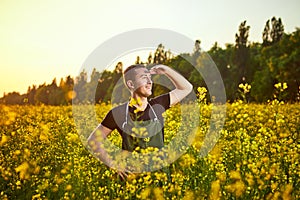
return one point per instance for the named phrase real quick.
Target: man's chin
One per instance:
(149, 94)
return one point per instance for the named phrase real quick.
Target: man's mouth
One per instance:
(148, 87)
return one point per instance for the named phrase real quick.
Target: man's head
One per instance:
(137, 78)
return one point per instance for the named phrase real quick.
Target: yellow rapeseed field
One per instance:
(256, 157)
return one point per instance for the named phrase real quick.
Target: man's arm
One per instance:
(182, 86)
(95, 142)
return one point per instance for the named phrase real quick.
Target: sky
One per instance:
(43, 40)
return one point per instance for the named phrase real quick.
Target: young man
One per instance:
(140, 111)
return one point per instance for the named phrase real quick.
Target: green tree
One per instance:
(196, 51)
(223, 60)
(242, 51)
(92, 86)
(116, 85)
(13, 98)
(262, 86)
(55, 94)
(42, 94)
(160, 55)
(30, 94)
(67, 87)
(103, 85)
(150, 58)
(273, 34)
(49, 94)
(80, 87)
(283, 61)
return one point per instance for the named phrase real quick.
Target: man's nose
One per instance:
(149, 80)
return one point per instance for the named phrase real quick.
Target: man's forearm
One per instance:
(96, 144)
(182, 86)
(178, 80)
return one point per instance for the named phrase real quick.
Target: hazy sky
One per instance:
(41, 40)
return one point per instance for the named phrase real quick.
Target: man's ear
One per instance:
(130, 84)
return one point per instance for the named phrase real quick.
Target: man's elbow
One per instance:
(90, 142)
(189, 88)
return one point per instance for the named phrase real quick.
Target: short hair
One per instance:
(129, 73)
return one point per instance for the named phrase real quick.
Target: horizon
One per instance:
(51, 40)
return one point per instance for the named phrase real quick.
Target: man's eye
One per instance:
(146, 77)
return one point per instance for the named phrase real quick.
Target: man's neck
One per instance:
(139, 102)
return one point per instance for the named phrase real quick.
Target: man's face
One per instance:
(143, 82)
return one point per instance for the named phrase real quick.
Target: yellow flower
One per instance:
(245, 87)
(274, 186)
(72, 137)
(4, 139)
(23, 169)
(187, 160)
(239, 188)
(201, 94)
(135, 102)
(287, 192)
(63, 171)
(278, 85)
(158, 193)
(68, 187)
(221, 176)
(145, 193)
(215, 192)
(236, 188)
(235, 175)
(37, 196)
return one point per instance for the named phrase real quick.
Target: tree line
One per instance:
(261, 65)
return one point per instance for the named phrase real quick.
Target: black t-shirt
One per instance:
(117, 116)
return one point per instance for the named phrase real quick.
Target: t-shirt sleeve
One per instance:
(163, 100)
(109, 121)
